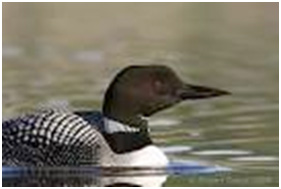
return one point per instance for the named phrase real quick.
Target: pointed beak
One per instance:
(199, 92)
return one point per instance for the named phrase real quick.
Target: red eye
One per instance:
(160, 87)
(158, 84)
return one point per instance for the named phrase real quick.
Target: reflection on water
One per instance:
(70, 52)
(102, 176)
(82, 176)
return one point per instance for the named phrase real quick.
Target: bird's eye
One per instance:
(160, 87)
(158, 84)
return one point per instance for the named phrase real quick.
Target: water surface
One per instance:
(69, 52)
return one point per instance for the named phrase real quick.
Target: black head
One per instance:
(144, 90)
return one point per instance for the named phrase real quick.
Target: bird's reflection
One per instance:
(86, 176)
(104, 176)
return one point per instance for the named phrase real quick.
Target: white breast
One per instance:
(149, 156)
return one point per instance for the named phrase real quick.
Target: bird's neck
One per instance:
(123, 138)
(124, 112)
(127, 130)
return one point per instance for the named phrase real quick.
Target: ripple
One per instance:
(185, 167)
(221, 152)
(255, 158)
(164, 122)
(240, 141)
(243, 126)
(243, 119)
(176, 149)
(239, 110)
(93, 56)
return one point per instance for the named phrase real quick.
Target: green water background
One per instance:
(70, 51)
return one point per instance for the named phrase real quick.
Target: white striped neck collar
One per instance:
(123, 138)
(112, 126)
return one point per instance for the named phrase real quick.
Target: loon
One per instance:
(117, 136)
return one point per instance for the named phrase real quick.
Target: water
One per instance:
(103, 176)
(69, 53)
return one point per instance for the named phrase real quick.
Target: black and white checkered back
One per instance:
(48, 138)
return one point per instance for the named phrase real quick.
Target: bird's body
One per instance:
(55, 138)
(116, 136)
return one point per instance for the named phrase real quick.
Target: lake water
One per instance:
(67, 53)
